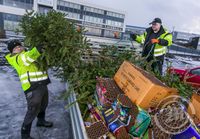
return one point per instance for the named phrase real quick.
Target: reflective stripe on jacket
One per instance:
(159, 49)
(24, 64)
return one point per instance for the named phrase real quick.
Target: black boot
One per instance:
(25, 131)
(24, 136)
(44, 123)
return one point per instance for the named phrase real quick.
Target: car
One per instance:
(190, 76)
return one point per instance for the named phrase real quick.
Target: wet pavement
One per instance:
(13, 109)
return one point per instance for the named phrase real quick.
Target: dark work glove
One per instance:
(133, 36)
(40, 48)
(163, 42)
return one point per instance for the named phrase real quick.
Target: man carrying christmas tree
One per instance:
(34, 83)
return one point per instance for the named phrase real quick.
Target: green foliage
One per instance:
(83, 80)
(59, 37)
(173, 80)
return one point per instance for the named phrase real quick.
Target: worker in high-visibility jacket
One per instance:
(155, 41)
(34, 84)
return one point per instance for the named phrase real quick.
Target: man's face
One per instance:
(156, 26)
(18, 49)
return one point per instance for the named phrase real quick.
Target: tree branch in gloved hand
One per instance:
(133, 36)
(40, 48)
(154, 41)
(163, 42)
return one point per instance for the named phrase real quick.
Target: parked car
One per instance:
(190, 76)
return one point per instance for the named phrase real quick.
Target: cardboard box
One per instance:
(141, 87)
(194, 107)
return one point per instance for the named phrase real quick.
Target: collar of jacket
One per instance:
(160, 32)
(149, 31)
(13, 54)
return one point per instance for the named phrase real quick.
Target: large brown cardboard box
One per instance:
(141, 87)
(194, 107)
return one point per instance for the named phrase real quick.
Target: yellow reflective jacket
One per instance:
(28, 72)
(160, 49)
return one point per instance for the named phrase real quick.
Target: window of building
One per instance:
(109, 33)
(11, 25)
(115, 14)
(62, 3)
(93, 10)
(93, 31)
(114, 23)
(92, 19)
(72, 15)
(11, 17)
(122, 15)
(25, 4)
(44, 9)
(76, 6)
(69, 4)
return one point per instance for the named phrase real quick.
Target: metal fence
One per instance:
(175, 49)
(3, 52)
(79, 131)
(3, 61)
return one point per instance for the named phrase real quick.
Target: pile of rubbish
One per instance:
(134, 104)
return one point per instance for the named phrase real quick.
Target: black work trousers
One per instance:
(157, 66)
(37, 101)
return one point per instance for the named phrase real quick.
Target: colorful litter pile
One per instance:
(122, 118)
(119, 115)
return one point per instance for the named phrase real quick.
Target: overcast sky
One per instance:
(183, 15)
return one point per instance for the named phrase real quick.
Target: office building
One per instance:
(98, 21)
